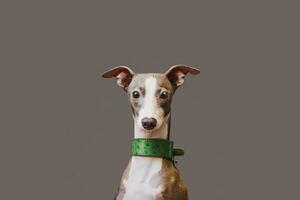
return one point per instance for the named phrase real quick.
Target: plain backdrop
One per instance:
(65, 132)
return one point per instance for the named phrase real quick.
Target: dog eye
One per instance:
(135, 94)
(164, 95)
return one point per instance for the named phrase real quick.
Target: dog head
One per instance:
(150, 94)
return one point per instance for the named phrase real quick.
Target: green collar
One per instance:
(154, 148)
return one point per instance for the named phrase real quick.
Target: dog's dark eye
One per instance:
(164, 95)
(135, 94)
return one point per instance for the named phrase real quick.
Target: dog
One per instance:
(151, 173)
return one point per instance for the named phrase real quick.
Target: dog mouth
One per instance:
(149, 129)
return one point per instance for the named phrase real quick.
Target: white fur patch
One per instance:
(139, 184)
(150, 107)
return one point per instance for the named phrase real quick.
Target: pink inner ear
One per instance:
(180, 77)
(120, 79)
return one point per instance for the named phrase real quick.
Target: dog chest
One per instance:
(144, 181)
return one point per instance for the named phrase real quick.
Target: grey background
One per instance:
(65, 132)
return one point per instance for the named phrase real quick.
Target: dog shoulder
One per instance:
(122, 187)
(173, 185)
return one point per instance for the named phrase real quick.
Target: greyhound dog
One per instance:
(151, 173)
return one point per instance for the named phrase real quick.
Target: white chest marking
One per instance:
(143, 182)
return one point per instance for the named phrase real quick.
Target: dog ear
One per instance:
(122, 73)
(177, 73)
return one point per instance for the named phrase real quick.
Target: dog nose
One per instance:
(149, 123)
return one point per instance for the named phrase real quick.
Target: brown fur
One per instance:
(174, 186)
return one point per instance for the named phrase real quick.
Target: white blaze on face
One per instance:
(149, 107)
